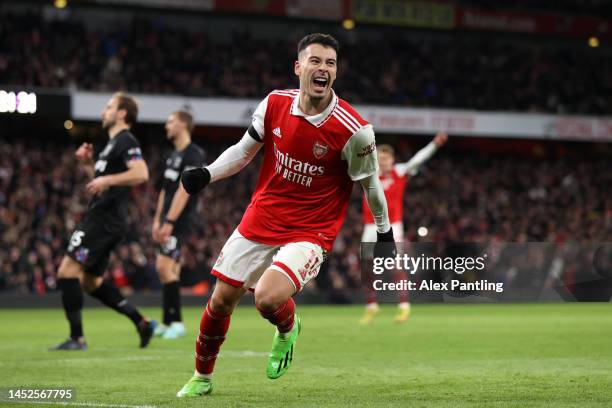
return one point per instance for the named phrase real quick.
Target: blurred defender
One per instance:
(173, 220)
(394, 178)
(315, 146)
(118, 167)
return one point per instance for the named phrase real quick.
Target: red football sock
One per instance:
(370, 295)
(403, 294)
(368, 285)
(213, 327)
(282, 317)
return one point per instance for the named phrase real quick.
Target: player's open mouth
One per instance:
(319, 83)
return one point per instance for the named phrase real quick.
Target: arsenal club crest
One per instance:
(319, 150)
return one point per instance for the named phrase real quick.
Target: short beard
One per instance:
(107, 125)
(317, 98)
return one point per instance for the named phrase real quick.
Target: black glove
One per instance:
(194, 180)
(385, 245)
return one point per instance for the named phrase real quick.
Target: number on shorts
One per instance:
(170, 244)
(77, 238)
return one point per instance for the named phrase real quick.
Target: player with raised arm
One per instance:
(173, 218)
(117, 167)
(394, 178)
(315, 146)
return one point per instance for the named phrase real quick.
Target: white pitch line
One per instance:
(82, 404)
(228, 354)
(231, 354)
(98, 359)
(245, 353)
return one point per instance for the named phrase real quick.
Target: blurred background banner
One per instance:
(320, 9)
(425, 14)
(436, 14)
(200, 5)
(237, 112)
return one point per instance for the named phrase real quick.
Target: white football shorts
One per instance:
(242, 261)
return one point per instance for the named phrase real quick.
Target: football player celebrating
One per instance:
(315, 146)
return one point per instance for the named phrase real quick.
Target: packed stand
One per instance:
(478, 198)
(450, 70)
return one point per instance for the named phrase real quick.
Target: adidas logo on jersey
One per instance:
(277, 132)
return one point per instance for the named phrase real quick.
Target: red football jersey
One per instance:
(310, 163)
(394, 185)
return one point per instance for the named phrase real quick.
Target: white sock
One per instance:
(283, 335)
(372, 306)
(404, 306)
(207, 376)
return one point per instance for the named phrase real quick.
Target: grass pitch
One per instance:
(556, 355)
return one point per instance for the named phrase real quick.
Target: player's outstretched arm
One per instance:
(230, 162)
(412, 166)
(157, 216)
(362, 166)
(375, 196)
(137, 173)
(84, 154)
(179, 201)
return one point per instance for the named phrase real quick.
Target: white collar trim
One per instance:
(319, 119)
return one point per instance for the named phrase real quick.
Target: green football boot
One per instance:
(195, 387)
(281, 356)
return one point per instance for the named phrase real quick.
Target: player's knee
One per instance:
(90, 283)
(222, 304)
(268, 301)
(166, 274)
(64, 273)
(88, 287)
(69, 269)
(167, 269)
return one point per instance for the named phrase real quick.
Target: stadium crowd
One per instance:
(402, 68)
(477, 198)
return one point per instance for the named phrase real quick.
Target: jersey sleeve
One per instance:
(130, 150)
(360, 154)
(413, 165)
(165, 181)
(257, 129)
(194, 158)
(403, 170)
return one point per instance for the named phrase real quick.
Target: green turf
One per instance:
(555, 355)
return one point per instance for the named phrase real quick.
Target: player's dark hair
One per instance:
(129, 105)
(185, 117)
(325, 40)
